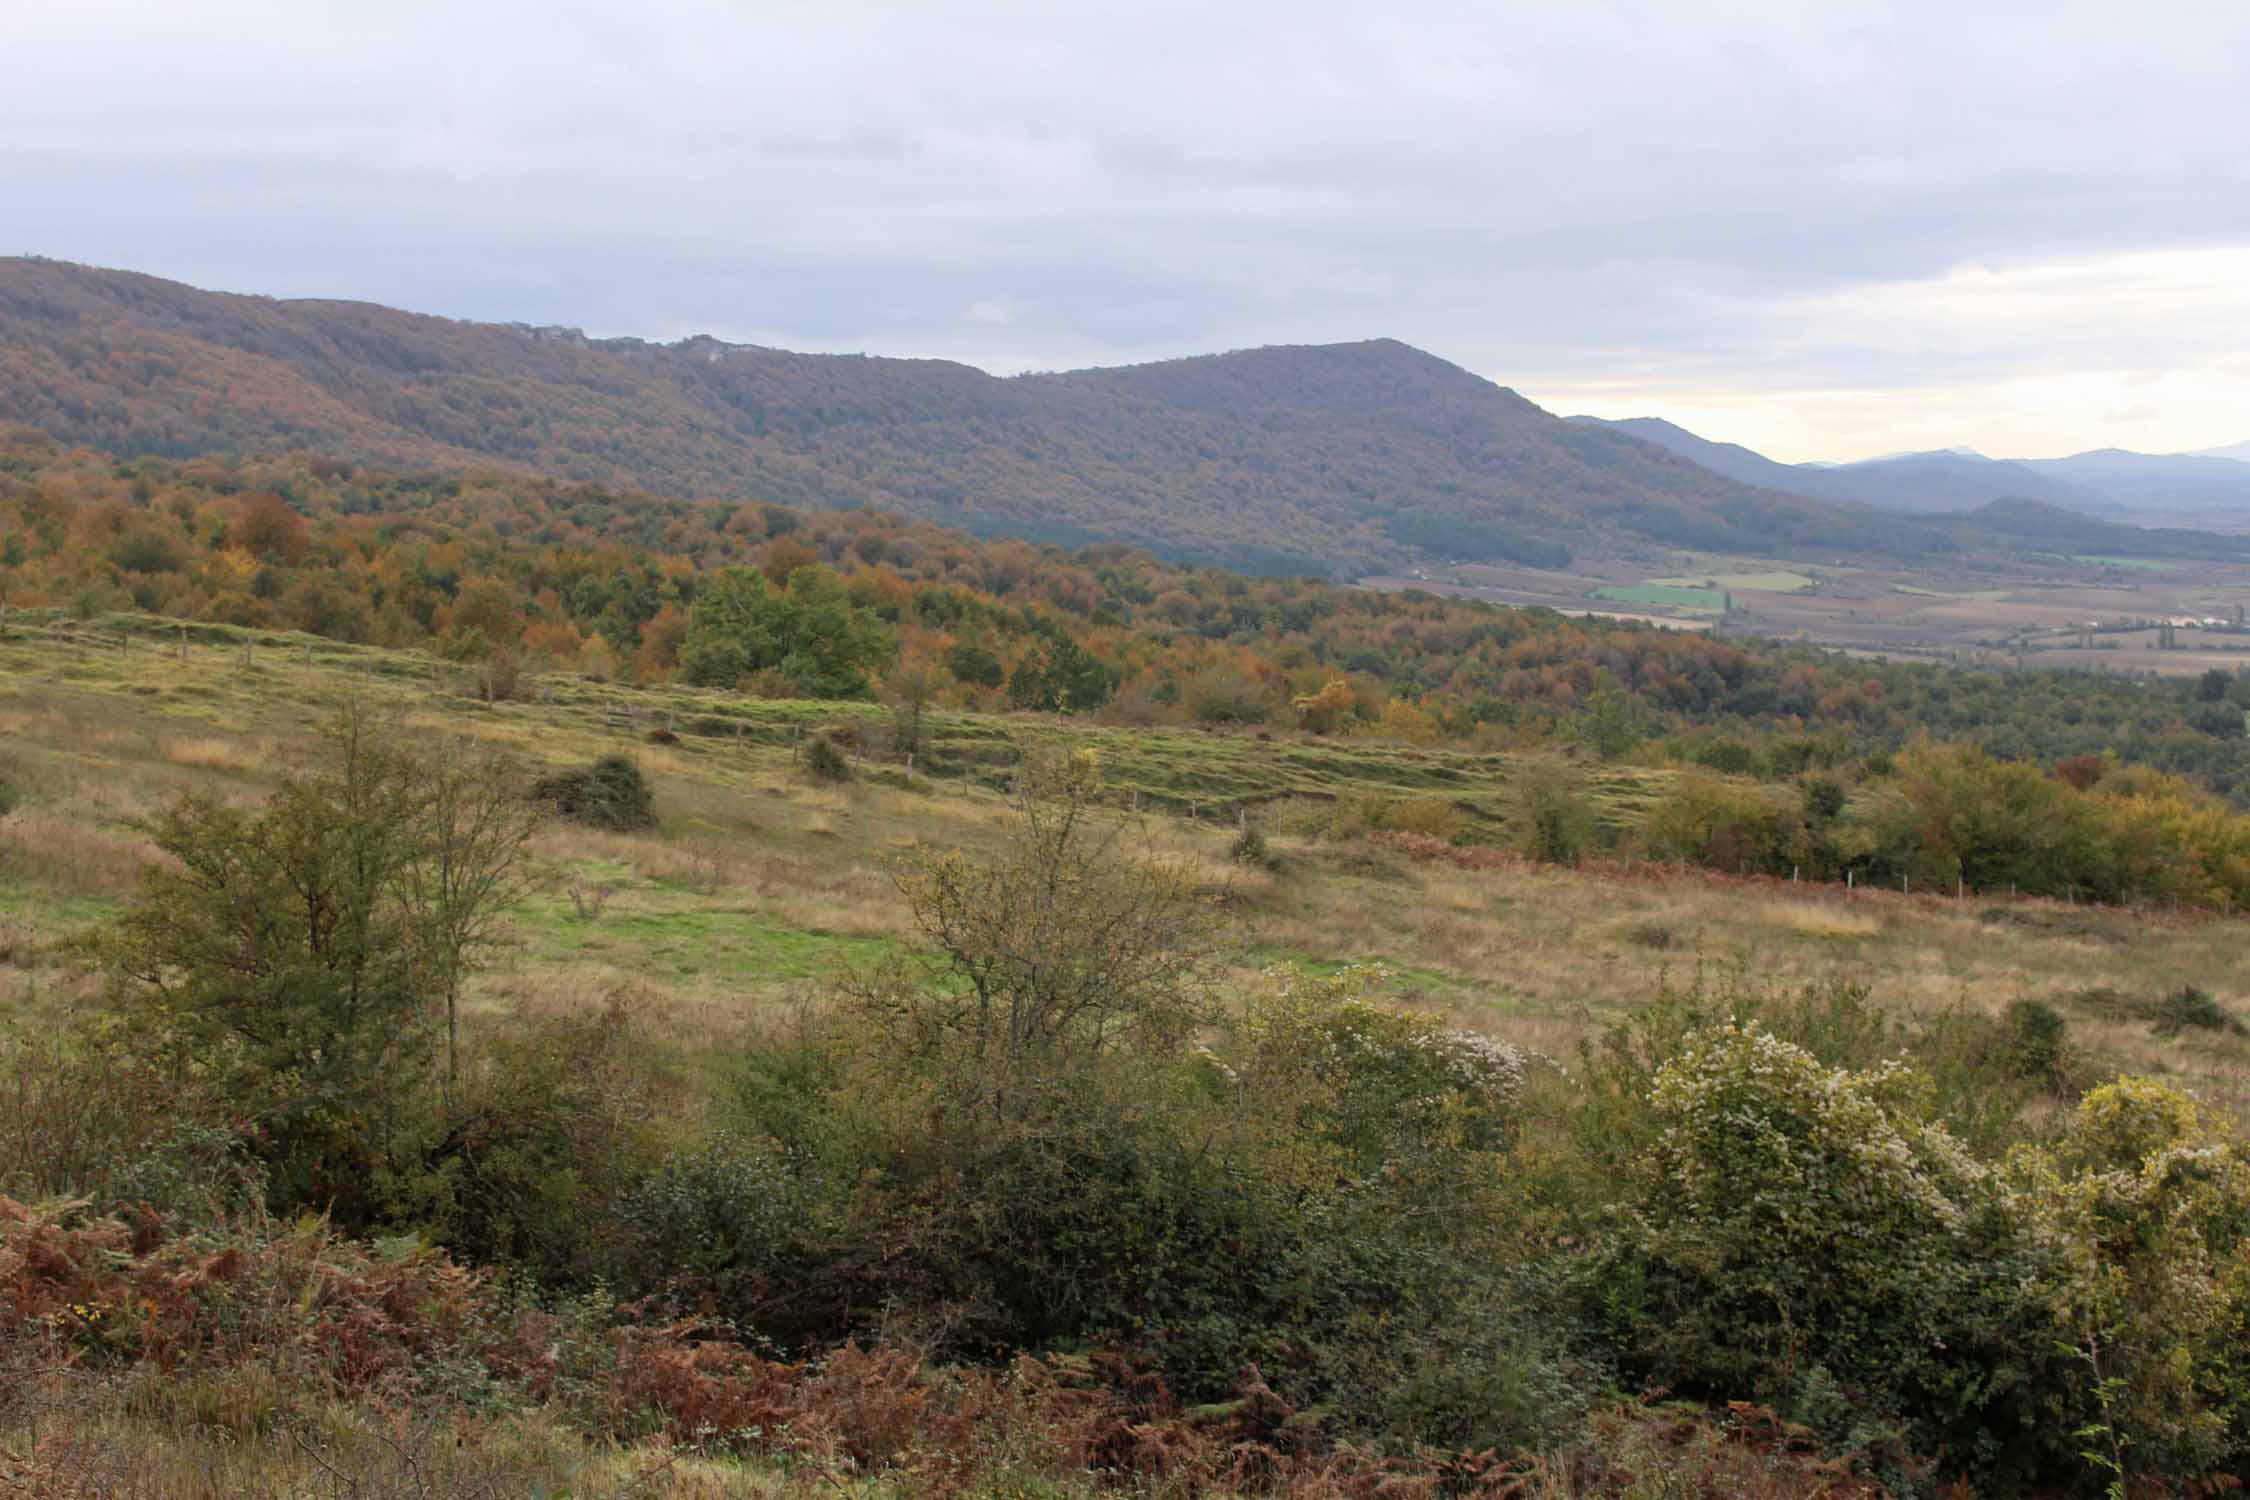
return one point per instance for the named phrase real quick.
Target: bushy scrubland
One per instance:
(1934, 817)
(1041, 1205)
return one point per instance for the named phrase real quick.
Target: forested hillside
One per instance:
(1302, 459)
(609, 582)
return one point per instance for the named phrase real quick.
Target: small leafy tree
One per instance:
(305, 957)
(1613, 722)
(1070, 943)
(471, 831)
(909, 691)
(1549, 816)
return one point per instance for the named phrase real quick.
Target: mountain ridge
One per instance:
(1337, 459)
(1938, 481)
(2111, 482)
(1330, 457)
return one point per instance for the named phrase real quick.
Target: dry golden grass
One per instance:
(1820, 919)
(68, 857)
(211, 753)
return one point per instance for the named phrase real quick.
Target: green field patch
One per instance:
(1402, 981)
(2132, 564)
(1666, 596)
(732, 946)
(1981, 596)
(1774, 581)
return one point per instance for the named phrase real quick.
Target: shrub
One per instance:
(1250, 848)
(2038, 1041)
(1430, 817)
(732, 1225)
(1549, 817)
(1378, 1083)
(1021, 1145)
(610, 794)
(1795, 1234)
(1823, 798)
(1731, 825)
(2189, 1006)
(825, 762)
(547, 1131)
(2167, 1014)
(499, 678)
(1659, 936)
(97, 1124)
(2153, 1303)
(1965, 1075)
(808, 630)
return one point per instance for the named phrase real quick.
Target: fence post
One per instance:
(1851, 878)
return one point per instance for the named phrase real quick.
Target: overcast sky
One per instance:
(1825, 230)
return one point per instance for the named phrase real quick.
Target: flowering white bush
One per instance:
(1798, 1236)
(1379, 1079)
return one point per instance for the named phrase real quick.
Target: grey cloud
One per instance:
(1547, 193)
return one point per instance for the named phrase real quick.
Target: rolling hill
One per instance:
(2154, 481)
(1327, 458)
(1924, 483)
(2106, 482)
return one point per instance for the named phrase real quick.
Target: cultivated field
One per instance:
(2094, 613)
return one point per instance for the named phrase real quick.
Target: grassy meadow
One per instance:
(762, 881)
